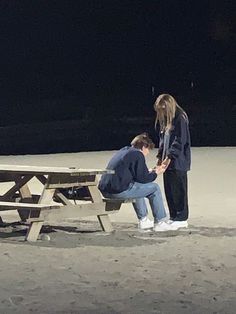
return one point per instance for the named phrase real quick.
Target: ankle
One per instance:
(157, 221)
(143, 218)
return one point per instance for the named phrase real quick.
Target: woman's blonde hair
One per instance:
(165, 107)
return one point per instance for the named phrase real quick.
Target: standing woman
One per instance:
(174, 151)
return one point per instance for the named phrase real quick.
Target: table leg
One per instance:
(27, 198)
(35, 226)
(33, 231)
(104, 220)
(105, 223)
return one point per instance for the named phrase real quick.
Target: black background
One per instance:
(83, 75)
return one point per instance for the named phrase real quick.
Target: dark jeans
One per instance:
(176, 191)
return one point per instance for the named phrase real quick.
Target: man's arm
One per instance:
(141, 173)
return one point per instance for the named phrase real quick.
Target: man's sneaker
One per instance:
(145, 224)
(180, 224)
(163, 226)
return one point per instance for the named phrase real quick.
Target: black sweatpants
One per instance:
(176, 191)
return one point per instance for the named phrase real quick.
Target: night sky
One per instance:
(104, 62)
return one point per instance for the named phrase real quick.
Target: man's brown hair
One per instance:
(142, 140)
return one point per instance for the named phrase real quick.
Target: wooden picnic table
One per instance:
(35, 209)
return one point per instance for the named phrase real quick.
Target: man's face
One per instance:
(145, 151)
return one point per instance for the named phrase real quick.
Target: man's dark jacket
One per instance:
(129, 166)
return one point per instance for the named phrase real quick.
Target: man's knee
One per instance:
(154, 188)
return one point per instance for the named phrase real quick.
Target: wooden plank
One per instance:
(84, 172)
(110, 206)
(73, 211)
(33, 231)
(63, 199)
(64, 185)
(66, 181)
(51, 170)
(119, 200)
(95, 193)
(28, 206)
(22, 187)
(115, 204)
(26, 196)
(47, 196)
(19, 183)
(7, 177)
(35, 227)
(103, 219)
(30, 220)
(105, 223)
(42, 179)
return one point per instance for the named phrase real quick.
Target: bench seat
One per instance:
(18, 206)
(115, 203)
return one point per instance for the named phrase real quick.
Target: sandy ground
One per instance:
(83, 270)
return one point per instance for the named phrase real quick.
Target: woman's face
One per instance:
(162, 108)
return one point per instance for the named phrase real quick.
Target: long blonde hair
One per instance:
(165, 107)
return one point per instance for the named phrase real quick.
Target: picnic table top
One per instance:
(42, 170)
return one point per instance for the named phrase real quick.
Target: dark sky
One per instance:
(59, 59)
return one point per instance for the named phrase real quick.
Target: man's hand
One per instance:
(160, 169)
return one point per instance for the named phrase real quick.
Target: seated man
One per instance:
(132, 179)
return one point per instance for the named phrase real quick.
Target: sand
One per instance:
(83, 270)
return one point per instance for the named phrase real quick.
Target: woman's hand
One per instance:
(166, 162)
(159, 161)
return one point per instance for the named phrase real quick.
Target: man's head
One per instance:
(143, 143)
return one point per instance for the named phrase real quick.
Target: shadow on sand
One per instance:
(89, 233)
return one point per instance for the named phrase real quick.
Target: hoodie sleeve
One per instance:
(140, 171)
(161, 145)
(180, 136)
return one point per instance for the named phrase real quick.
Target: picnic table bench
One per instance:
(36, 209)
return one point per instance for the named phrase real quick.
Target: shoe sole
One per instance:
(164, 230)
(181, 227)
(145, 230)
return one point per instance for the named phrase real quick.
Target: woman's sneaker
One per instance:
(180, 224)
(163, 226)
(145, 223)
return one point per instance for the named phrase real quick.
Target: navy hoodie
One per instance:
(179, 143)
(129, 166)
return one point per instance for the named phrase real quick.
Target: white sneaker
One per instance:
(145, 223)
(163, 226)
(180, 224)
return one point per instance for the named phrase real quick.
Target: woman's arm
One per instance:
(160, 149)
(180, 136)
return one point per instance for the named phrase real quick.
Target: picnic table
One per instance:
(36, 208)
